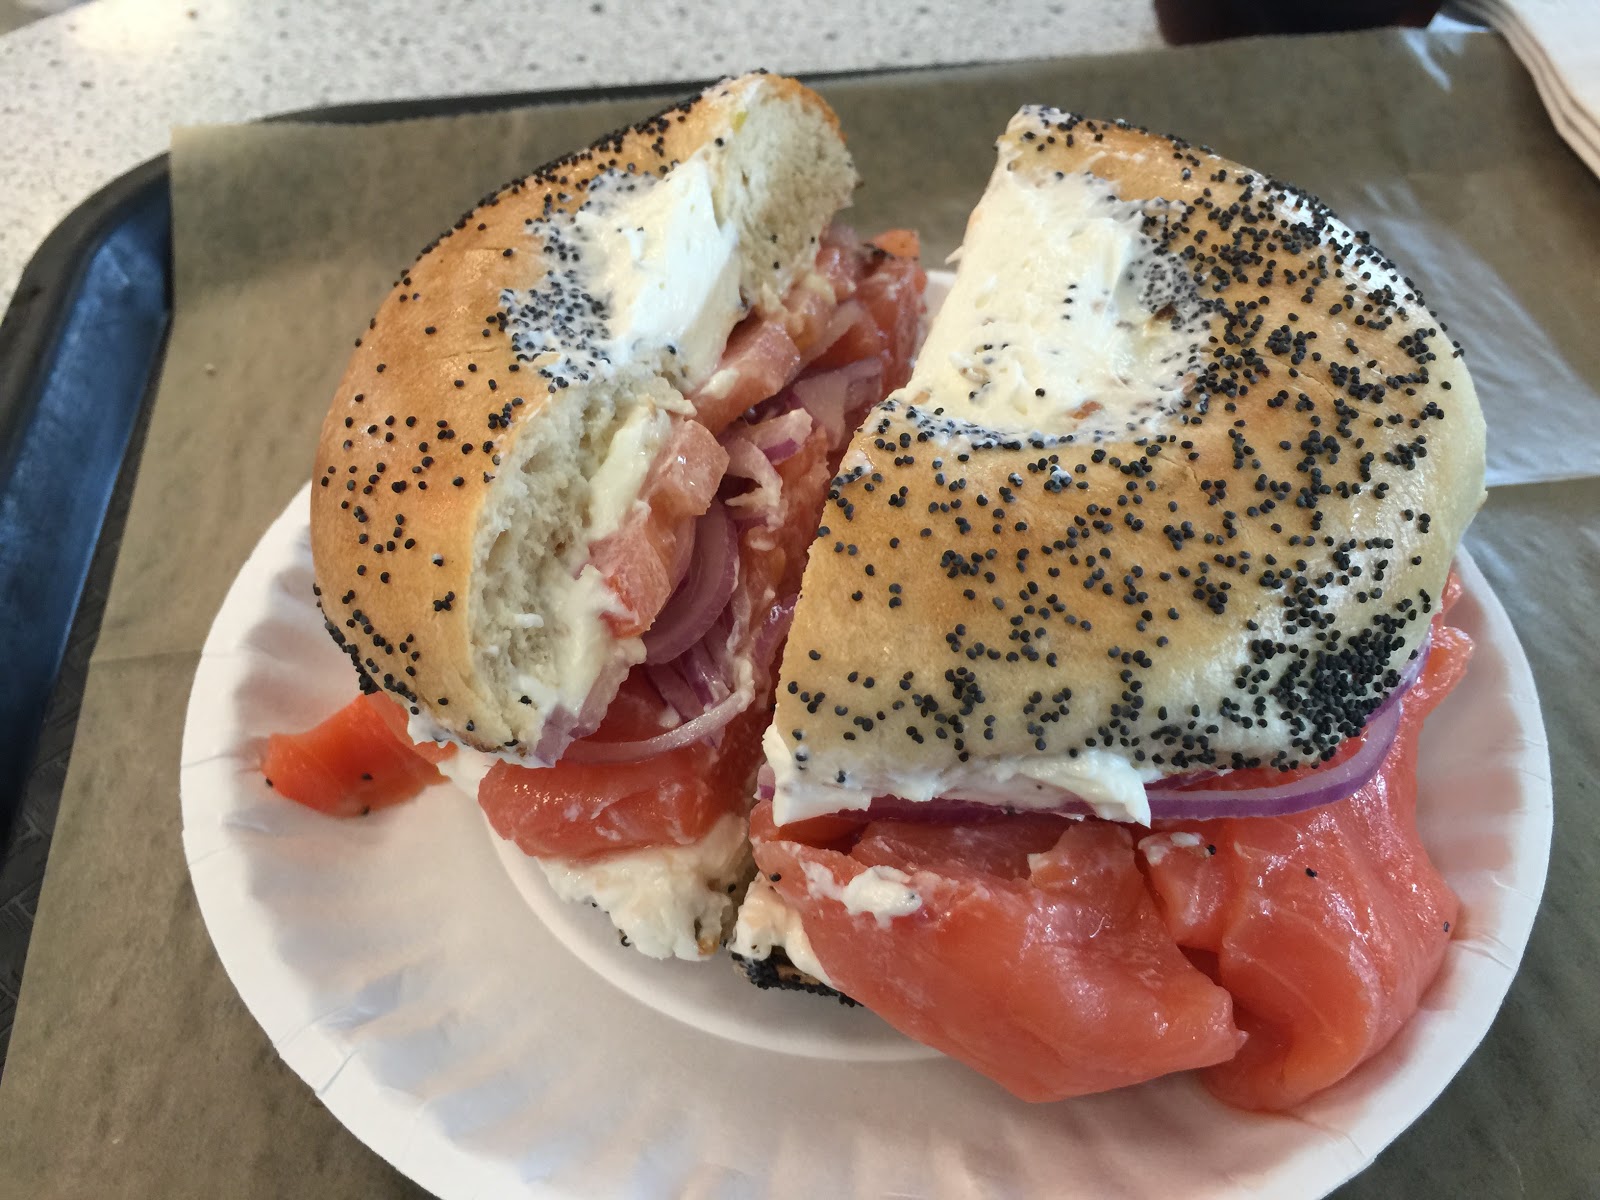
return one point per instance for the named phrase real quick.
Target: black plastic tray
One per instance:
(81, 348)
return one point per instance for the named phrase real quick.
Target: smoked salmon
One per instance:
(1034, 953)
(582, 810)
(1326, 926)
(355, 761)
(1063, 957)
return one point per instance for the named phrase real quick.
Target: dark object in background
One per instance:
(1185, 21)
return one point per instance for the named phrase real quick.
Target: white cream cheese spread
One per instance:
(882, 892)
(1107, 782)
(668, 901)
(664, 266)
(1087, 331)
(766, 924)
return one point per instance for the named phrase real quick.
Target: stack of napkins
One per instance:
(1559, 42)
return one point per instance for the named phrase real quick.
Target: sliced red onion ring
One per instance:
(704, 592)
(1170, 801)
(704, 677)
(563, 726)
(675, 690)
(833, 397)
(781, 436)
(766, 782)
(774, 628)
(712, 721)
(555, 737)
(1325, 785)
(1175, 798)
(1408, 676)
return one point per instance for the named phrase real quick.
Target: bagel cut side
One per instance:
(516, 385)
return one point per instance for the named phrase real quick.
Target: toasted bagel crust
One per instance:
(435, 396)
(1237, 584)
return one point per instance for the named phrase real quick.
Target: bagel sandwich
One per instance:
(1117, 633)
(563, 492)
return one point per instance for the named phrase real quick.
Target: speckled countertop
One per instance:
(94, 91)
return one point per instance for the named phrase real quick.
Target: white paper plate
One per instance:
(488, 1046)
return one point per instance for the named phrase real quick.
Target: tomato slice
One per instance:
(353, 762)
(862, 339)
(890, 293)
(840, 261)
(637, 560)
(760, 359)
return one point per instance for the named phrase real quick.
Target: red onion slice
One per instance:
(1325, 785)
(703, 675)
(1407, 677)
(555, 737)
(704, 592)
(1176, 798)
(675, 690)
(774, 629)
(563, 726)
(1182, 801)
(712, 721)
(833, 397)
(780, 437)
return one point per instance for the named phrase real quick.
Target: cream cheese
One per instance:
(466, 767)
(1112, 785)
(668, 901)
(1158, 845)
(641, 280)
(666, 268)
(1082, 329)
(882, 892)
(766, 924)
(614, 488)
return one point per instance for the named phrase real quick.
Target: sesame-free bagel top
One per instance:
(486, 344)
(1176, 484)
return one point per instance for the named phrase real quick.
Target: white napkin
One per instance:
(1558, 42)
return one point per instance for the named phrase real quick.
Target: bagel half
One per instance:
(514, 389)
(1175, 485)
